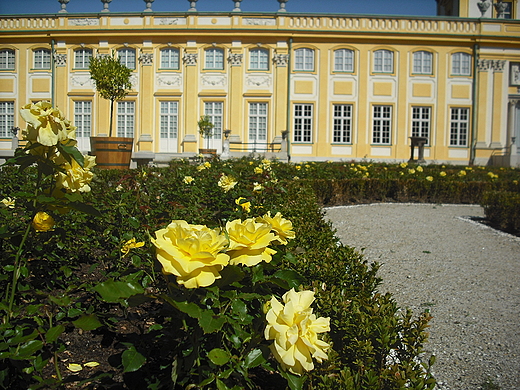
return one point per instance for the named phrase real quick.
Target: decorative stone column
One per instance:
(499, 111)
(193, 3)
(148, 5)
(483, 6)
(282, 5)
(105, 5)
(63, 6)
(237, 6)
(483, 128)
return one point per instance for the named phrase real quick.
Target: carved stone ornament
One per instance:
(483, 7)
(190, 58)
(81, 81)
(259, 22)
(281, 59)
(169, 81)
(146, 58)
(235, 59)
(498, 65)
(484, 65)
(60, 59)
(515, 75)
(214, 81)
(167, 21)
(83, 22)
(258, 81)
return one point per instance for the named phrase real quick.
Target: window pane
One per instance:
(42, 59)
(459, 126)
(381, 125)
(83, 118)
(127, 57)
(125, 119)
(82, 58)
(259, 59)
(421, 121)
(7, 59)
(215, 111)
(302, 127)
(170, 59)
(304, 59)
(342, 131)
(214, 58)
(169, 119)
(344, 60)
(6, 119)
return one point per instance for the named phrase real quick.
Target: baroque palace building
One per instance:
(323, 86)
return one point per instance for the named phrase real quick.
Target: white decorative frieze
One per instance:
(134, 81)
(259, 22)
(146, 58)
(235, 59)
(281, 59)
(259, 81)
(214, 80)
(169, 80)
(190, 58)
(84, 22)
(169, 21)
(514, 78)
(81, 81)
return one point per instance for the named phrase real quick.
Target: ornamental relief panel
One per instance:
(214, 80)
(169, 81)
(81, 81)
(258, 81)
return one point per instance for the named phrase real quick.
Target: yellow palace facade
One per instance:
(307, 86)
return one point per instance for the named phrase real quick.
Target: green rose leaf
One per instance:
(210, 322)
(289, 278)
(112, 291)
(28, 349)
(87, 322)
(219, 356)
(132, 359)
(254, 358)
(295, 382)
(53, 333)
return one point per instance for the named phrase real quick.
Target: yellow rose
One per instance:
(191, 252)
(75, 177)
(8, 202)
(248, 242)
(227, 182)
(131, 244)
(246, 206)
(295, 330)
(188, 179)
(257, 187)
(42, 222)
(259, 170)
(442, 173)
(419, 169)
(429, 178)
(45, 124)
(403, 165)
(281, 226)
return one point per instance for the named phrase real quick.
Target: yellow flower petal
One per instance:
(91, 364)
(74, 367)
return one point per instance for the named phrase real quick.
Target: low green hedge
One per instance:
(502, 209)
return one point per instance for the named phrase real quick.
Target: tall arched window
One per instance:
(384, 61)
(461, 64)
(82, 58)
(259, 59)
(214, 58)
(344, 60)
(304, 59)
(422, 62)
(170, 58)
(42, 59)
(7, 59)
(127, 57)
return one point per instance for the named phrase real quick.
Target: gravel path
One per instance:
(468, 275)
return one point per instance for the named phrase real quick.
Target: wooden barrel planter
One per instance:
(112, 152)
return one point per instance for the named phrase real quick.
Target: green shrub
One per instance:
(502, 209)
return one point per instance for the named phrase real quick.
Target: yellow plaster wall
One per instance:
(343, 88)
(460, 91)
(383, 89)
(41, 85)
(421, 90)
(303, 87)
(7, 85)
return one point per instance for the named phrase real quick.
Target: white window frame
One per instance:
(342, 127)
(344, 60)
(459, 126)
(127, 56)
(126, 119)
(214, 58)
(257, 129)
(42, 59)
(170, 58)
(461, 64)
(421, 121)
(169, 126)
(259, 59)
(215, 111)
(7, 59)
(383, 61)
(382, 124)
(304, 59)
(6, 118)
(83, 123)
(422, 62)
(303, 122)
(82, 58)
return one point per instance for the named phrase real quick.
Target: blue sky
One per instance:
(380, 7)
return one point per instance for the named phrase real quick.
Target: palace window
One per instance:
(214, 59)
(342, 132)
(7, 59)
(82, 58)
(304, 59)
(42, 59)
(259, 59)
(6, 119)
(422, 62)
(302, 128)
(383, 61)
(459, 126)
(125, 119)
(258, 122)
(381, 125)
(421, 119)
(461, 64)
(169, 119)
(127, 57)
(83, 118)
(215, 111)
(344, 60)
(170, 58)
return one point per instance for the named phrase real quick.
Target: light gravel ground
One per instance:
(468, 275)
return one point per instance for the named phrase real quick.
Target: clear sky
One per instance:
(379, 7)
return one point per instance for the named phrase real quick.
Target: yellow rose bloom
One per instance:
(8, 202)
(76, 178)
(442, 173)
(411, 171)
(131, 244)
(45, 124)
(188, 179)
(248, 242)
(191, 252)
(462, 173)
(419, 169)
(403, 165)
(246, 206)
(295, 330)
(42, 222)
(257, 187)
(281, 226)
(259, 170)
(429, 178)
(227, 182)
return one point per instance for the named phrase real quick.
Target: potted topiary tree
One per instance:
(112, 81)
(206, 131)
